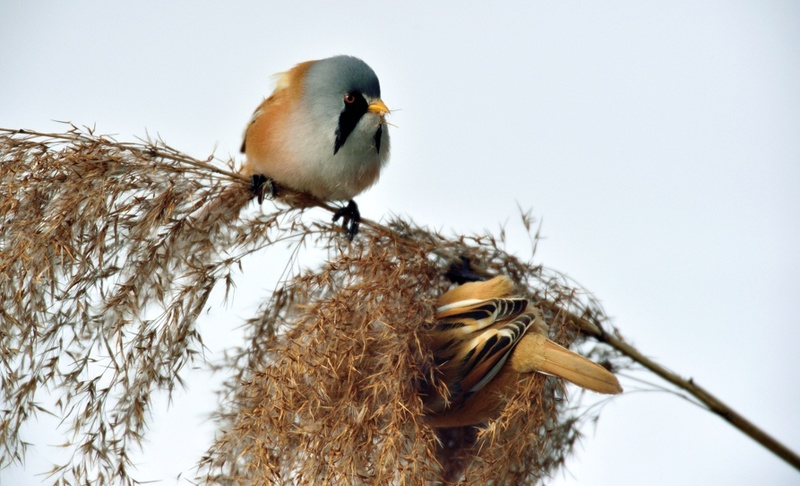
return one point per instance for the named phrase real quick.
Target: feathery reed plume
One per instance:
(333, 394)
(104, 268)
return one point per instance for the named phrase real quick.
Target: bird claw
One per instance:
(351, 218)
(262, 186)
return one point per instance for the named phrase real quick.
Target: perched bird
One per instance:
(321, 132)
(483, 341)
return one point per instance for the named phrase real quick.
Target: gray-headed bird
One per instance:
(321, 132)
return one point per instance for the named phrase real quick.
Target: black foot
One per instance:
(350, 218)
(262, 186)
(462, 272)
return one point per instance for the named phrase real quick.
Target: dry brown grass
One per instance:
(328, 392)
(109, 253)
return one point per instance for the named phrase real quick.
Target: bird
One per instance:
(323, 132)
(485, 339)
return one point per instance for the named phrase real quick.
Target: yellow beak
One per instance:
(378, 107)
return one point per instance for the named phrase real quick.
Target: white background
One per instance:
(658, 141)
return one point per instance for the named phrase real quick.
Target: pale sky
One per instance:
(659, 142)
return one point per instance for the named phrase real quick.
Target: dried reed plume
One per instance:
(109, 252)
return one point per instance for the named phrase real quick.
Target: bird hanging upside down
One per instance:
(321, 132)
(483, 341)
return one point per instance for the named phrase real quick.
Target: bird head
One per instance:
(343, 95)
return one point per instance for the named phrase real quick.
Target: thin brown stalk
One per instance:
(705, 397)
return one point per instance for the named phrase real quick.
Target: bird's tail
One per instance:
(537, 353)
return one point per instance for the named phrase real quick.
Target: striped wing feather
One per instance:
(476, 339)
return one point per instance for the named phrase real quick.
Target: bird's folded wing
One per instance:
(465, 317)
(487, 352)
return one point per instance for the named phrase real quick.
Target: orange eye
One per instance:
(349, 99)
